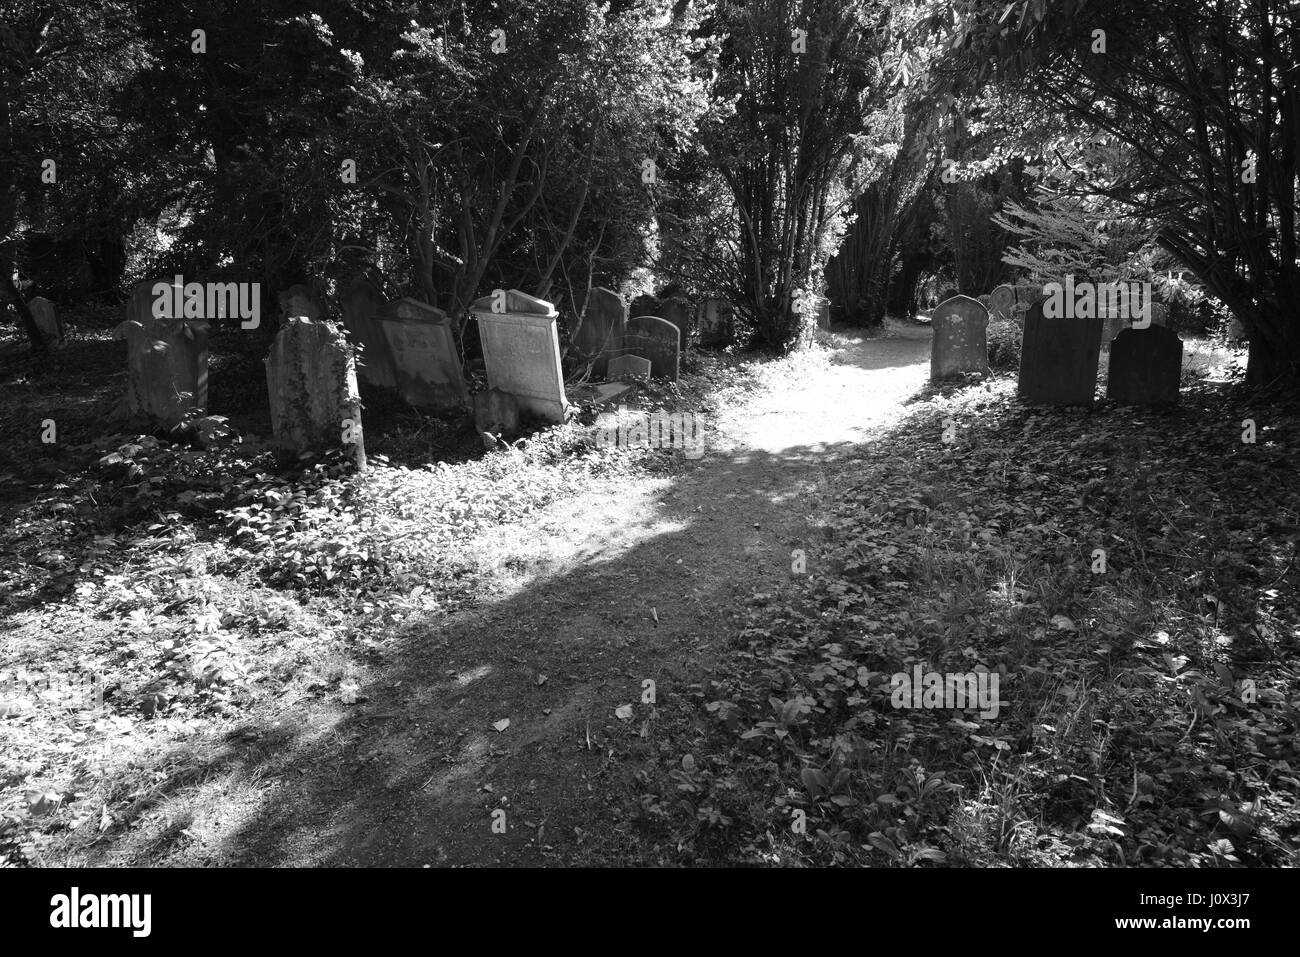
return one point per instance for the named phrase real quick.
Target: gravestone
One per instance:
(301, 300)
(362, 304)
(1002, 301)
(657, 340)
(1112, 327)
(644, 305)
(167, 360)
(496, 412)
(604, 322)
(715, 323)
(1145, 367)
(425, 359)
(312, 380)
(678, 311)
(629, 367)
(42, 311)
(960, 342)
(823, 312)
(1058, 359)
(521, 350)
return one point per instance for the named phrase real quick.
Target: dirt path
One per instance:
(597, 593)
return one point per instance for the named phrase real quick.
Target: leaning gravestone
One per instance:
(301, 300)
(521, 351)
(362, 304)
(167, 359)
(960, 342)
(604, 322)
(1145, 367)
(1058, 359)
(424, 355)
(42, 311)
(312, 380)
(629, 367)
(657, 340)
(1002, 301)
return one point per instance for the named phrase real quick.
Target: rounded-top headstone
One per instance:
(960, 342)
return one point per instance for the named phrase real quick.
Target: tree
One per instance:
(786, 138)
(1206, 95)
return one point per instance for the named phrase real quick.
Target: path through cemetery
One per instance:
(599, 592)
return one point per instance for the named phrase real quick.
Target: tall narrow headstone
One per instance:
(42, 311)
(362, 304)
(604, 322)
(167, 359)
(960, 342)
(312, 381)
(1146, 366)
(521, 350)
(424, 355)
(657, 340)
(1058, 359)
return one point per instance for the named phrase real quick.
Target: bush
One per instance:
(1004, 337)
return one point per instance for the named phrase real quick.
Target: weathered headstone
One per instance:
(361, 305)
(629, 367)
(715, 323)
(823, 312)
(496, 412)
(657, 340)
(1145, 367)
(1002, 301)
(960, 342)
(167, 360)
(1058, 359)
(301, 300)
(42, 311)
(678, 311)
(312, 380)
(424, 353)
(521, 350)
(604, 322)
